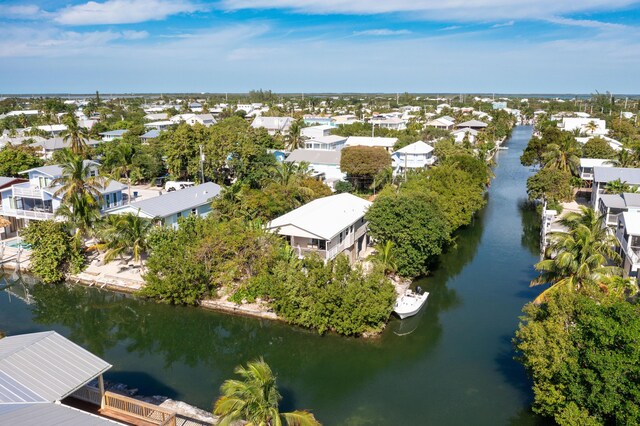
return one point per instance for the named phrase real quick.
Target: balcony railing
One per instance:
(27, 191)
(88, 394)
(34, 214)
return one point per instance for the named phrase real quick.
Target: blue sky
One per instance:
(502, 46)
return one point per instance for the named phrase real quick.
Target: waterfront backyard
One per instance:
(453, 365)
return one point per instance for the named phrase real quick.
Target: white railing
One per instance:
(586, 176)
(32, 214)
(27, 191)
(88, 394)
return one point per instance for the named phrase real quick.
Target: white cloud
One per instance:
(381, 32)
(504, 24)
(122, 11)
(134, 35)
(29, 11)
(437, 10)
(586, 23)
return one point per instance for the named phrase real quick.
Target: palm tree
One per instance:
(625, 159)
(617, 187)
(289, 173)
(563, 155)
(125, 234)
(76, 178)
(125, 153)
(255, 399)
(294, 138)
(74, 134)
(81, 213)
(385, 256)
(591, 127)
(578, 260)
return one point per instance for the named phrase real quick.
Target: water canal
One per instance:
(452, 365)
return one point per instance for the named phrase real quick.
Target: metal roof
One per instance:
(9, 180)
(49, 414)
(472, 123)
(314, 156)
(45, 365)
(175, 201)
(418, 147)
(608, 174)
(55, 170)
(323, 217)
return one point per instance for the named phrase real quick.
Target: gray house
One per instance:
(604, 175)
(169, 207)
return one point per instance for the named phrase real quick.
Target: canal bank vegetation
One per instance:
(578, 339)
(212, 258)
(420, 216)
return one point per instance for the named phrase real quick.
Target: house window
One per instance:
(12, 202)
(341, 237)
(318, 244)
(179, 214)
(194, 211)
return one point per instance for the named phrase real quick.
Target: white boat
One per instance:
(410, 303)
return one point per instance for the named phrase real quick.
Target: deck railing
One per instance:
(88, 394)
(138, 409)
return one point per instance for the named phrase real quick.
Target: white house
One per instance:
(582, 124)
(386, 143)
(467, 132)
(393, 123)
(628, 235)
(330, 143)
(614, 144)
(316, 131)
(274, 125)
(323, 162)
(169, 207)
(53, 129)
(327, 226)
(346, 119)
(441, 123)
(472, 124)
(612, 205)
(159, 125)
(414, 156)
(113, 135)
(587, 165)
(47, 147)
(604, 175)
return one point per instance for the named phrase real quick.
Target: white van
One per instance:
(173, 185)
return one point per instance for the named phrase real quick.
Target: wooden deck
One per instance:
(135, 412)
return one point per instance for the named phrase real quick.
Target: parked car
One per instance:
(173, 185)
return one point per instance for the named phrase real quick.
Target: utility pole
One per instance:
(201, 165)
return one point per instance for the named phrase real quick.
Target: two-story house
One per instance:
(613, 205)
(36, 199)
(587, 165)
(604, 175)
(327, 226)
(628, 235)
(417, 155)
(327, 143)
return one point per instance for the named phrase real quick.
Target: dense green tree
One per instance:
(14, 160)
(81, 213)
(255, 399)
(550, 184)
(362, 163)
(598, 148)
(413, 222)
(582, 354)
(53, 251)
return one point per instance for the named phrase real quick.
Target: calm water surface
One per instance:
(451, 365)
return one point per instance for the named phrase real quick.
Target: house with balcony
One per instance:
(587, 164)
(613, 205)
(36, 199)
(327, 227)
(417, 155)
(326, 143)
(112, 135)
(628, 235)
(603, 175)
(168, 208)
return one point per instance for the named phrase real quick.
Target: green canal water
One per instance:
(451, 365)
